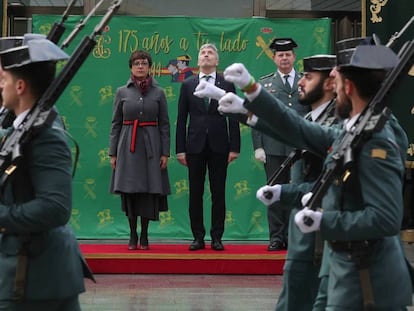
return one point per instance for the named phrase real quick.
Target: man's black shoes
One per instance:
(217, 245)
(196, 245)
(276, 246)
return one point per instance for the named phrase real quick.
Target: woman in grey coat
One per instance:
(140, 147)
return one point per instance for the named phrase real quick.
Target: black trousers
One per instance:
(216, 163)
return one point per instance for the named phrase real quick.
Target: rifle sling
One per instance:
(367, 295)
(360, 251)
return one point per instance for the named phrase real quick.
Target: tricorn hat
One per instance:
(367, 57)
(282, 44)
(322, 62)
(185, 57)
(354, 42)
(34, 50)
(10, 42)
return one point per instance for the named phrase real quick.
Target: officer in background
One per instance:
(362, 213)
(283, 84)
(41, 267)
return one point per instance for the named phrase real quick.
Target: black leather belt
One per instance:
(350, 246)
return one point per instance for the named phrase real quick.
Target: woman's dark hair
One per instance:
(140, 55)
(38, 75)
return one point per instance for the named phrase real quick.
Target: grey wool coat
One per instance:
(140, 134)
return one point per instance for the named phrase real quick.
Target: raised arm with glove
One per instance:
(206, 89)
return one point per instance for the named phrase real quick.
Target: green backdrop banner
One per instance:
(385, 18)
(86, 107)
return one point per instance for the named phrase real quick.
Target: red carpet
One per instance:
(177, 259)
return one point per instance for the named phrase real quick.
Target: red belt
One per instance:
(135, 124)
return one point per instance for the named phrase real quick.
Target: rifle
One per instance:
(398, 34)
(325, 118)
(54, 35)
(42, 113)
(80, 25)
(372, 119)
(59, 28)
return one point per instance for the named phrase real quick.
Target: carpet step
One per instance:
(177, 259)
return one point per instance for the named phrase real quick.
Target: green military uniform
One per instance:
(276, 151)
(300, 276)
(41, 267)
(300, 272)
(366, 209)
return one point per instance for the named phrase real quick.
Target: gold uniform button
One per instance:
(290, 104)
(290, 96)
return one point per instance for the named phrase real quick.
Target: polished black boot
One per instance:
(143, 241)
(133, 236)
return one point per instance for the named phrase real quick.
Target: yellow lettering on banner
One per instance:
(184, 45)
(200, 39)
(156, 43)
(129, 42)
(236, 45)
(156, 69)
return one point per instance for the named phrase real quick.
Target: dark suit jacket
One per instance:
(220, 132)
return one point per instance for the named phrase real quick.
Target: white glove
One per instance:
(238, 75)
(305, 199)
(206, 89)
(312, 219)
(260, 155)
(231, 103)
(269, 194)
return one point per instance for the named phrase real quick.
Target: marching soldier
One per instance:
(300, 273)
(41, 267)
(362, 214)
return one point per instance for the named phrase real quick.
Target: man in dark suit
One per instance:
(283, 84)
(211, 141)
(41, 267)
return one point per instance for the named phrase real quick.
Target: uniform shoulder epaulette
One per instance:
(266, 76)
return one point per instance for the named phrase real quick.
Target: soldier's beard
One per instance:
(343, 107)
(313, 96)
